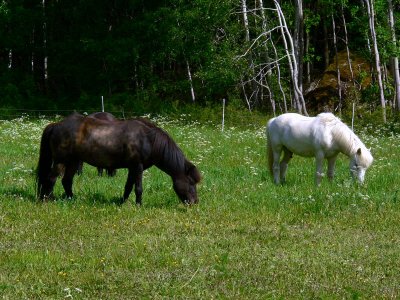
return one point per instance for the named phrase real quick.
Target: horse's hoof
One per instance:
(121, 201)
(67, 197)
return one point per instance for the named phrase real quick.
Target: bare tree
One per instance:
(298, 95)
(189, 73)
(270, 66)
(264, 29)
(266, 75)
(339, 86)
(326, 43)
(299, 41)
(346, 40)
(371, 16)
(308, 62)
(395, 59)
(253, 84)
(278, 71)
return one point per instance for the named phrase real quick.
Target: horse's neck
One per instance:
(170, 160)
(169, 168)
(348, 142)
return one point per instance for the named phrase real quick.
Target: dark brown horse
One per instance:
(135, 144)
(106, 116)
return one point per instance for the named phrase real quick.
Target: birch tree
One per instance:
(395, 59)
(298, 94)
(346, 41)
(371, 17)
(339, 86)
(254, 92)
(299, 41)
(189, 74)
(266, 75)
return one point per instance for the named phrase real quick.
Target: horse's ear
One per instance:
(359, 151)
(193, 172)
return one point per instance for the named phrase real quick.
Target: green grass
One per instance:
(245, 239)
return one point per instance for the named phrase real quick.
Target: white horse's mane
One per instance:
(345, 137)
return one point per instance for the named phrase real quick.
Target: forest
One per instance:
(274, 56)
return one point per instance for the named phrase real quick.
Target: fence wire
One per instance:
(14, 113)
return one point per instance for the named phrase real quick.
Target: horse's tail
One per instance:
(45, 161)
(269, 149)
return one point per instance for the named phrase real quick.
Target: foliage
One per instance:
(66, 54)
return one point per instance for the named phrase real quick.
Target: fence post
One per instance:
(223, 114)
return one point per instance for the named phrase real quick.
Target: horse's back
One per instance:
(295, 132)
(106, 116)
(290, 124)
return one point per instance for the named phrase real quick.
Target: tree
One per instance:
(395, 60)
(371, 15)
(69, 53)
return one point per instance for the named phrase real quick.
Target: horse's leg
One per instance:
(134, 177)
(331, 167)
(138, 185)
(110, 172)
(319, 161)
(276, 153)
(287, 156)
(100, 171)
(70, 170)
(80, 168)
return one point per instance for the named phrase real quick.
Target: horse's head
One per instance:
(359, 163)
(185, 184)
(45, 182)
(45, 190)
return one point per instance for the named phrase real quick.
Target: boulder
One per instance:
(322, 94)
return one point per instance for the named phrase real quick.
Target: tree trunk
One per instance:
(268, 72)
(39, 51)
(264, 30)
(395, 59)
(189, 73)
(371, 12)
(299, 41)
(347, 47)
(295, 95)
(253, 83)
(337, 64)
(326, 44)
(278, 71)
(308, 63)
(292, 61)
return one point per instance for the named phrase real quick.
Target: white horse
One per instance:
(323, 136)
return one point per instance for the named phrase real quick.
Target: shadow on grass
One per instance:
(147, 202)
(23, 194)
(98, 199)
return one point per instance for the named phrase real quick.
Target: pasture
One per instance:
(247, 238)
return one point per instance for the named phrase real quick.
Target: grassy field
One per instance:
(246, 239)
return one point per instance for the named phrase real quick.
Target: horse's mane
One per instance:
(75, 114)
(341, 133)
(345, 137)
(164, 146)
